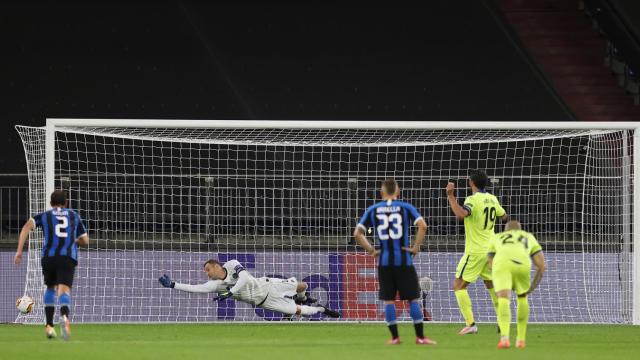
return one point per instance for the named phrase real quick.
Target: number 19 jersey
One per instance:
(391, 221)
(484, 209)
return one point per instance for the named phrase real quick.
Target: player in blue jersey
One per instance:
(391, 220)
(63, 231)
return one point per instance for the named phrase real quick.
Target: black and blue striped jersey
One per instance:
(391, 220)
(61, 228)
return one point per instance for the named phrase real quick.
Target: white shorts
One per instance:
(281, 295)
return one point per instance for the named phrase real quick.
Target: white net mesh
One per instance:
(284, 202)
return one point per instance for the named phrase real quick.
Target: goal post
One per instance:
(636, 227)
(283, 196)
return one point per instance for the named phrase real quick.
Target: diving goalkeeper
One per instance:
(232, 280)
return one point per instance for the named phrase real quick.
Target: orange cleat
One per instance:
(395, 341)
(425, 341)
(520, 344)
(504, 344)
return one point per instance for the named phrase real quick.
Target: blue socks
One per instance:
(50, 297)
(416, 314)
(390, 318)
(390, 314)
(49, 305)
(65, 303)
(415, 310)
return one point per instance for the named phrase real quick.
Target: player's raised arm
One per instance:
(24, 234)
(459, 211)
(208, 287)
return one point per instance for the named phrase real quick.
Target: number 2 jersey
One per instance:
(61, 228)
(391, 221)
(517, 246)
(484, 209)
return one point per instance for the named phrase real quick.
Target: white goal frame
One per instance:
(53, 123)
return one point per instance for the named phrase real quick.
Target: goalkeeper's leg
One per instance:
(281, 297)
(306, 310)
(302, 296)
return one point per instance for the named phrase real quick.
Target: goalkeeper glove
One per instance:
(165, 280)
(223, 296)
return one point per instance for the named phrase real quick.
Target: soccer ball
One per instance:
(426, 284)
(25, 304)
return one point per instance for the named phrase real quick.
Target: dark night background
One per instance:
(446, 60)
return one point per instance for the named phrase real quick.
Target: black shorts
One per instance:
(58, 270)
(398, 279)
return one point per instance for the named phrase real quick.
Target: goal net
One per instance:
(284, 202)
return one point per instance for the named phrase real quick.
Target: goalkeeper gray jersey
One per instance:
(252, 290)
(244, 286)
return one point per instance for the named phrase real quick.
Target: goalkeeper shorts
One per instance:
(281, 296)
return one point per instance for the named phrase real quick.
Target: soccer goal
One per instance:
(282, 197)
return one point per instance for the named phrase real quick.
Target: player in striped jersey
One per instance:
(392, 220)
(63, 231)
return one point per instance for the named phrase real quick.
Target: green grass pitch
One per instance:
(312, 341)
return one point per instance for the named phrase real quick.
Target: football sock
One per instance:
(494, 299)
(417, 316)
(466, 309)
(523, 317)
(390, 317)
(65, 302)
(49, 305)
(504, 316)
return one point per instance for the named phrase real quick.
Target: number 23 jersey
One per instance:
(391, 221)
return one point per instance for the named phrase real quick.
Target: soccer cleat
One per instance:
(504, 344)
(50, 331)
(310, 300)
(425, 341)
(330, 313)
(65, 327)
(520, 344)
(394, 341)
(469, 330)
